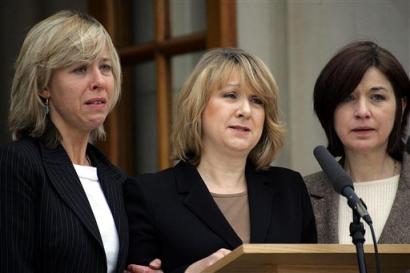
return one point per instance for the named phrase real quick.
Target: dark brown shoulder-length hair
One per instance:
(340, 77)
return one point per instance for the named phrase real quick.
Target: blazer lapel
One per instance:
(325, 202)
(63, 177)
(260, 197)
(111, 180)
(200, 202)
(397, 227)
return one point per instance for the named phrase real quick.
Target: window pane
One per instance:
(143, 22)
(182, 66)
(187, 16)
(145, 114)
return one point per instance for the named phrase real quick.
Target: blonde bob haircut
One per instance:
(61, 40)
(211, 73)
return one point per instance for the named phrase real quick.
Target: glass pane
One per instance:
(182, 66)
(187, 16)
(143, 21)
(145, 114)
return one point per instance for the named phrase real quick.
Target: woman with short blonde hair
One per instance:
(57, 42)
(212, 72)
(61, 201)
(223, 191)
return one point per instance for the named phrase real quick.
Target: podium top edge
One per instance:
(320, 248)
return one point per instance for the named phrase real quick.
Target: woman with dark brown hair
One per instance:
(361, 99)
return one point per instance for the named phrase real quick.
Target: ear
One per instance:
(45, 94)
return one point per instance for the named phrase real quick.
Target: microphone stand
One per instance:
(357, 233)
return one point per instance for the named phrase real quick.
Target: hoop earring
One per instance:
(46, 109)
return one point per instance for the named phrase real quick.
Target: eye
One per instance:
(106, 68)
(377, 97)
(230, 95)
(255, 100)
(80, 69)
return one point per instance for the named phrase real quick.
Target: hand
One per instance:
(154, 267)
(200, 265)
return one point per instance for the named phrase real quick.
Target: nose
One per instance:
(362, 109)
(97, 78)
(244, 108)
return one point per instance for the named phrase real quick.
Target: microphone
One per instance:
(341, 182)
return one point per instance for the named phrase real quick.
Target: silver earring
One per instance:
(46, 109)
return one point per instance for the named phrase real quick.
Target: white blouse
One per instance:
(102, 213)
(379, 196)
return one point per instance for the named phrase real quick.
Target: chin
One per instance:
(97, 121)
(94, 125)
(364, 148)
(240, 149)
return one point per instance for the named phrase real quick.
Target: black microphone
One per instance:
(341, 182)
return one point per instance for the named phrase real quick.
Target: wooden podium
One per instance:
(310, 258)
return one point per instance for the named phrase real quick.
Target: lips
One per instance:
(363, 130)
(240, 128)
(96, 101)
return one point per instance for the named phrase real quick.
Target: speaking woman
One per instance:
(223, 191)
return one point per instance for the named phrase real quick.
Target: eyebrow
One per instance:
(378, 88)
(233, 84)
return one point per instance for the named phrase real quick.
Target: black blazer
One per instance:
(46, 221)
(172, 215)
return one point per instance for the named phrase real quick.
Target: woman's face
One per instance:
(80, 95)
(365, 119)
(233, 118)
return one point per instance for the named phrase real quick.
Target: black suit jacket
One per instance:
(46, 221)
(173, 216)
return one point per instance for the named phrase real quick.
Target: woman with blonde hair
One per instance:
(61, 202)
(223, 191)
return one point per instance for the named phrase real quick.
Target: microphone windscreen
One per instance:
(335, 173)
